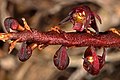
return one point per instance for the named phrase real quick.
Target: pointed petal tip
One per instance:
(64, 20)
(98, 17)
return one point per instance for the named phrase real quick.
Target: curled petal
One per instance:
(11, 23)
(61, 59)
(93, 24)
(25, 52)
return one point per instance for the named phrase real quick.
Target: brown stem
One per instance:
(103, 39)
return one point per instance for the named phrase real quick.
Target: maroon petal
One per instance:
(25, 52)
(93, 24)
(88, 13)
(10, 23)
(98, 17)
(61, 59)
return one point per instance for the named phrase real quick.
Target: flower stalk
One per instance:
(103, 39)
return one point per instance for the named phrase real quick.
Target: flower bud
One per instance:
(25, 52)
(61, 59)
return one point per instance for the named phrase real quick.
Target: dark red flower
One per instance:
(61, 59)
(11, 23)
(82, 18)
(93, 62)
(25, 52)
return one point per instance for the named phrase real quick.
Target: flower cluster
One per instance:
(82, 18)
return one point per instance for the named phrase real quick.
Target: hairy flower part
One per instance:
(61, 59)
(82, 18)
(93, 62)
(25, 52)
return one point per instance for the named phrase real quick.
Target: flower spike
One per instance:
(82, 19)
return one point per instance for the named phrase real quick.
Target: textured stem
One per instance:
(103, 39)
